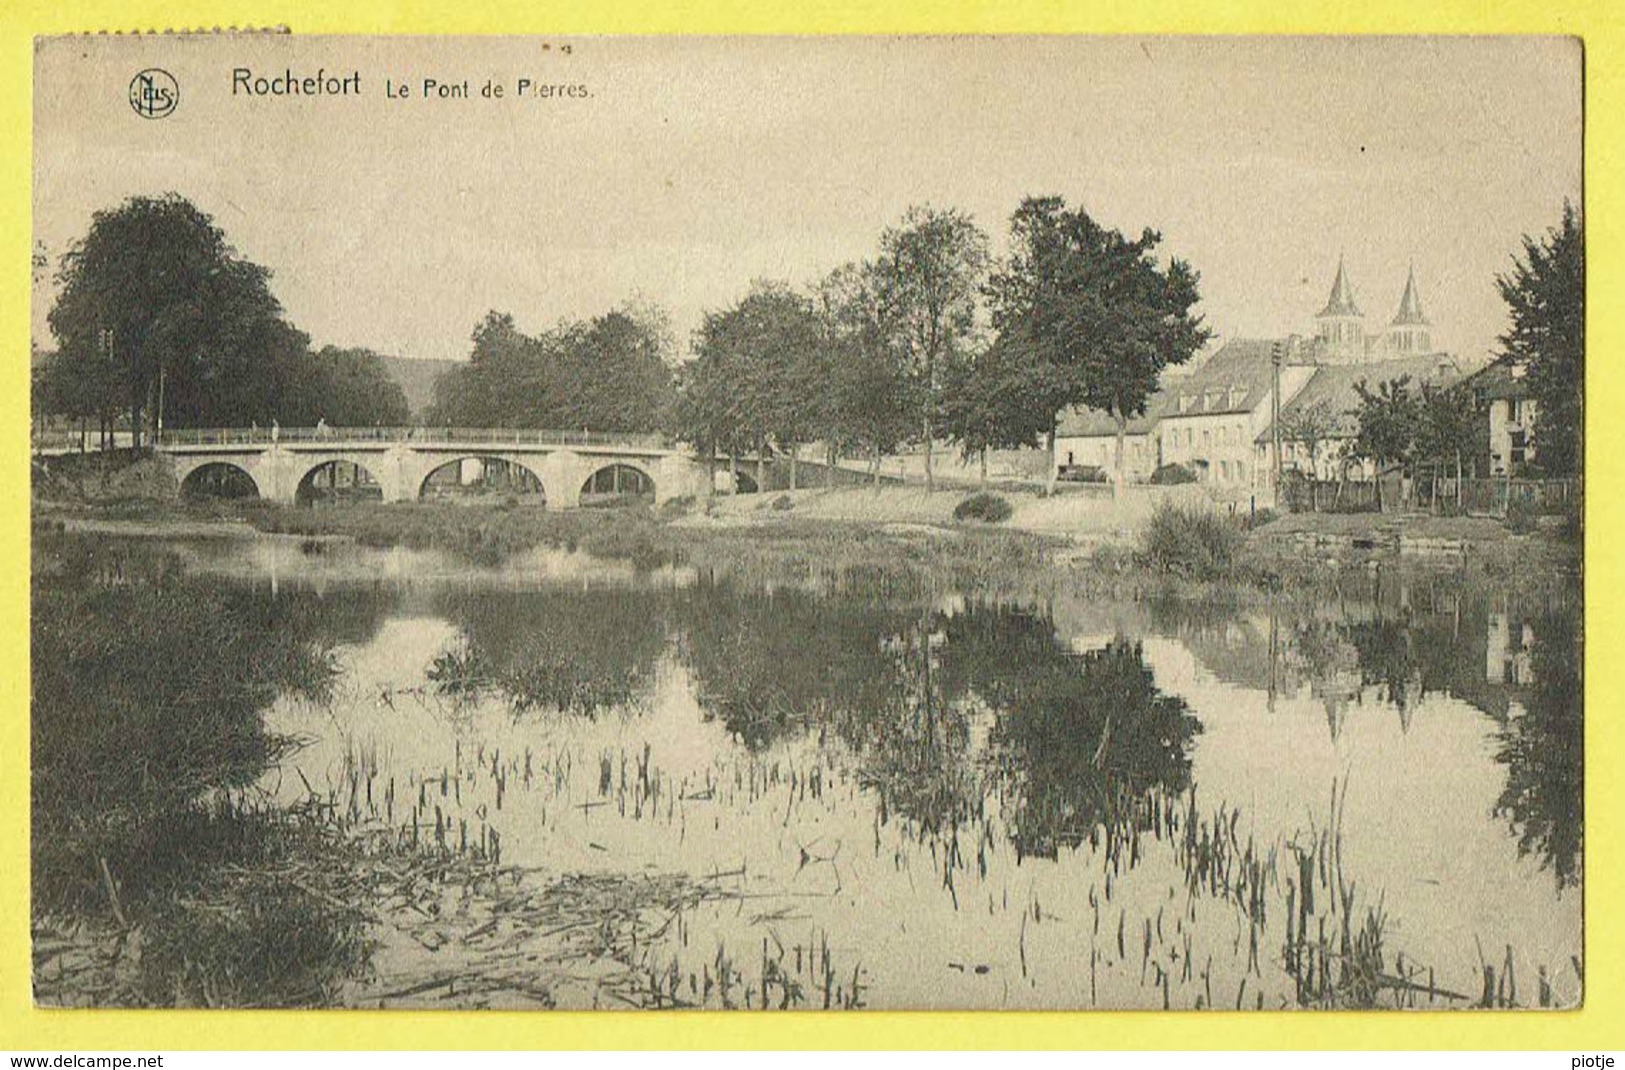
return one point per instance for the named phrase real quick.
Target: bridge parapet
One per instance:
(420, 436)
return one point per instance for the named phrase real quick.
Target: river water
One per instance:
(951, 802)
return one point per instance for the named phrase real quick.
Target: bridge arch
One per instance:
(489, 473)
(338, 479)
(618, 481)
(219, 479)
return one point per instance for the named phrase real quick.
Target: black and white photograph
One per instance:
(807, 523)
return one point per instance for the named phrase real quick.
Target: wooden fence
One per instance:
(1475, 497)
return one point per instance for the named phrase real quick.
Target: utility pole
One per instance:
(1275, 415)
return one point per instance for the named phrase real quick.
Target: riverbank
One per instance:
(896, 538)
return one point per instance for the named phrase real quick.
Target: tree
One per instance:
(869, 394)
(1446, 429)
(755, 376)
(1092, 314)
(1387, 419)
(1545, 296)
(604, 374)
(351, 388)
(931, 268)
(1310, 427)
(984, 404)
(614, 375)
(155, 289)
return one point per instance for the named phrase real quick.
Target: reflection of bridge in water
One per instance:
(399, 461)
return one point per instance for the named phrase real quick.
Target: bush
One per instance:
(783, 502)
(983, 506)
(1191, 542)
(1257, 519)
(1522, 517)
(1171, 474)
(676, 507)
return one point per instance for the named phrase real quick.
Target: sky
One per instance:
(692, 166)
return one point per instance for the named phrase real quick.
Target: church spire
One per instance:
(1410, 305)
(1341, 301)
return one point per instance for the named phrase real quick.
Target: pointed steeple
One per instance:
(1410, 305)
(1341, 301)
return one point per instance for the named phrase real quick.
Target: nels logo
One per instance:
(154, 93)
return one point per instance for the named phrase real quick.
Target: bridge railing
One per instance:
(249, 436)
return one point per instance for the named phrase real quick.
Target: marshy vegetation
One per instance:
(691, 788)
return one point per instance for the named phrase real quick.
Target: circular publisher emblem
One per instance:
(154, 93)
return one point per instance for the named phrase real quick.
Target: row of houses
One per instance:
(1219, 422)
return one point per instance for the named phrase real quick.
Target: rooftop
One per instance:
(1334, 385)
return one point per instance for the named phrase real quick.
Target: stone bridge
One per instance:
(399, 461)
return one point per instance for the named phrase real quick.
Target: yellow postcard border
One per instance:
(1599, 1025)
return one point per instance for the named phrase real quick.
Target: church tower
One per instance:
(1340, 326)
(1408, 333)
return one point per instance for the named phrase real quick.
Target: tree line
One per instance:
(610, 373)
(933, 339)
(929, 339)
(160, 321)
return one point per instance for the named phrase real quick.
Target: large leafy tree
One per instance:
(348, 388)
(604, 374)
(985, 405)
(755, 376)
(1447, 429)
(931, 268)
(613, 374)
(1092, 314)
(154, 294)
(1545, 295)
(869, 396)
(1387, 421)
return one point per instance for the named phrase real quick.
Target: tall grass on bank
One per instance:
(148, 690)
(1191, 542)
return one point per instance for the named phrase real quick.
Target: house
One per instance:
(1211, 418)
(1335, 389)
(1501, 393)
(1087, 439)
(1217, 420)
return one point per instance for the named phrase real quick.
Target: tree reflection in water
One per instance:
(574, 651)
(1542, 747)
(1079, 740)
(945, 708)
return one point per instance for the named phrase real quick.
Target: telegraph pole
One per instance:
(1276, 353)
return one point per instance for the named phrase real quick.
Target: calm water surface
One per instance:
(953, 802)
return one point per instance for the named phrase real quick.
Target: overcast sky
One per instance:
(695, 166)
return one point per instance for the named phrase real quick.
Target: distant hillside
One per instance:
(417, 378)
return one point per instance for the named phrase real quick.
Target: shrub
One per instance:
(783, 502)
(1191, 542)
(1170, 474)
(676, 507)
(1257, 519)
(983, 506)
(1522, 517)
